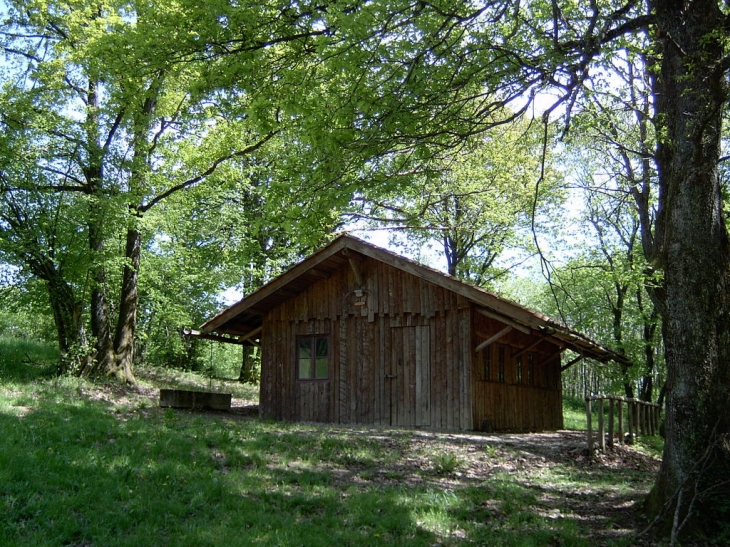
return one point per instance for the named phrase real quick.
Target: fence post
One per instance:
(650, 415)
(610, 422)
(630, 420)
(589, 433)
(640, 428)
(601, 429)
(620, 402)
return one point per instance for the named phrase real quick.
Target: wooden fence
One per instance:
(641, 418)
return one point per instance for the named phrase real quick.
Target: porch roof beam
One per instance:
(569, 364)
(251, 334)
(493, 339)
(528, 348)
(502, 319)
(192, 333)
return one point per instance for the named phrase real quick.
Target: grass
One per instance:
(574, 414)
(77, 469)
(86, 476)
(174, 378)
(25, 360)
(653, 446)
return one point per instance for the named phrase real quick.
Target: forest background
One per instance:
(154, 154)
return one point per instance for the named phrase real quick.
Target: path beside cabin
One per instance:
(598, 494)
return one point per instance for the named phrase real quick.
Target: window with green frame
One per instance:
(312, 357)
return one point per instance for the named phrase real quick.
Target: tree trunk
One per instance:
(94, 175)
(692, 489)
(248, 366)
(646, 388)
(66, 308)
(628, 384)
(124, 339)
(100, 320)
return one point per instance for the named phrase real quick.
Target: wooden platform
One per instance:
(181, 398)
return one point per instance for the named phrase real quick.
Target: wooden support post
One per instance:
(620, 421)
(630, 419)
(601, 429)
(589, 433)
(355, 265)
(571, 363)
(611, 403)
(642, 422)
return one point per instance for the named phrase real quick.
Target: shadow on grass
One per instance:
(77, 475)
(80, 471)
(76, 472)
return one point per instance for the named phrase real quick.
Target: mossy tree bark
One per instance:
(691, 94)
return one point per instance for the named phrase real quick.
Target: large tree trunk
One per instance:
(248, 373)
(124, 339)
(66, 308)
(690, 93)
(100, 320)
(646, 388)
(94, 175)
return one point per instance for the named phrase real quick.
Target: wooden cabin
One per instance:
(356, 334)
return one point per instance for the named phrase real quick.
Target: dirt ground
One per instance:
(602, 494)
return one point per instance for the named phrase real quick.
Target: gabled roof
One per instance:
(246, 316)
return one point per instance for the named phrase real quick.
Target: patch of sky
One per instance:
(9, 274)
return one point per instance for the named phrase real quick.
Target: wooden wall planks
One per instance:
(404, 359)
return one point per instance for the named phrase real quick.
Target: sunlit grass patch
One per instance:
(23, 360)
(173, 378)
(445, 463)
(434, 512)
(651, 445)
(574, 414)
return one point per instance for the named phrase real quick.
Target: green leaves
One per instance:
(473, 203)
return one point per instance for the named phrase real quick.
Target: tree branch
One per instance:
(217, 163)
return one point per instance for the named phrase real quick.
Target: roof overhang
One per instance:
(246, 316)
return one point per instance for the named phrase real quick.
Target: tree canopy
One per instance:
(110, 109)
(474, 203)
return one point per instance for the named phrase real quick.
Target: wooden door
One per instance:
(409, 378)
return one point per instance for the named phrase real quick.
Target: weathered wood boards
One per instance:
(180, 398)
(516, 379)
(403, 358)
(400, 344)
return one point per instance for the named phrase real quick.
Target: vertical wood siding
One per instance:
(511, 405)
(405, 358)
